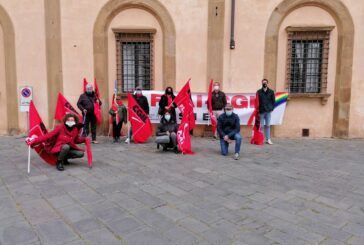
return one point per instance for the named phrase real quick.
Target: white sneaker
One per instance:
(269, 142)
(236, 156)
(127, 141)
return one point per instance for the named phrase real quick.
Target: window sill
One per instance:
(324, 96)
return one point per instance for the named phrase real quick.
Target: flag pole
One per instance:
(28, 159)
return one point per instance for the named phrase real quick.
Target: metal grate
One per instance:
(307, 61)
(134, 61)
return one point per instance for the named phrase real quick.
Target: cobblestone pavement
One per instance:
(294, 192)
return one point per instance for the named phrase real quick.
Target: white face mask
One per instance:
(138, 92)
(216, 87)
(70, 123)
(229, 113)
(167, 117)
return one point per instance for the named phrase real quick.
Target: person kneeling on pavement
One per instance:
(167, 132)
(228, 127)
(63, 140)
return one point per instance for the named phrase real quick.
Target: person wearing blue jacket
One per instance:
(228, 127)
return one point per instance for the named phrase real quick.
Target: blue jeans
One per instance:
(265, 122)
(225, 145)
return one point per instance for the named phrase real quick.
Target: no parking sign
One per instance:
(26, 95)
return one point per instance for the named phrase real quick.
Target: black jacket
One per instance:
(228, 125)
(165, 126)
(143, 102)
(266, 100)
(218, 100)
(163, 103)
(87, 101)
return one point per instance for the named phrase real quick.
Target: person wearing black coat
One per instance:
(141, 100)
(86, 105)
(166, 103)
(228, 127)
(168, 126)
(266, 106)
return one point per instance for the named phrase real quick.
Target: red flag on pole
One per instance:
(84, 85)
(139, 120)
(97, 109)
(184, 102)
(213, 119)
(183, 136)
(257, 134)
(36, 127)
(88, 151)
(63, 108)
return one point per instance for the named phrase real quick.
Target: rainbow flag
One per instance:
(281, 97)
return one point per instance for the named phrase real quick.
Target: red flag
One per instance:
(88, 151)
(183, 136)
(209, 107)
(139, 120)
(84, 85)
(184, 102)
(257, 134)
(97, 109)
(36, 127)
(63, 108)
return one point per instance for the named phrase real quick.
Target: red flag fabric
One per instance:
(183, 136)
(257, 134)
(88, 152)
(139, 120)
(63, 108)
(84, 85)
(213, 119)
(36, 127)
(184, 102)
(97, 109)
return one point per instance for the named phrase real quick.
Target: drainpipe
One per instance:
(232, 24)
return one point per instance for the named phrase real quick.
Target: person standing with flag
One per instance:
(119, 116)
(62, 141)
(266, 106)
(218, 102)
(167, 103)
(86, 105)
(228, 126)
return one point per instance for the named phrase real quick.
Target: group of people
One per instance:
(67, 134)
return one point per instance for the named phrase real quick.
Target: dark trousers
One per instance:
(68, 153)
(90, 119)
(116, 127)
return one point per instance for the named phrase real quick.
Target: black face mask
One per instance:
(169, 92)
(265, 85)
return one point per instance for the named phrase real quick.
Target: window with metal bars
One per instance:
(307, 61)
(134, 54)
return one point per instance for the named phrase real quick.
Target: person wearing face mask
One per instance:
(166, 103)
(266, 106)
(218, 102)
(119, 116)
(141, 99)
(228, 127)
(167, 132)
(86, 105)
(63, 141)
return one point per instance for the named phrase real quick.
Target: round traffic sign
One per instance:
(25, 92)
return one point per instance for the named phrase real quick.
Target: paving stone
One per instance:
(146, 237)
(17, 233)
(171, 213)
(193, 225)
(124, 226)
(55, 232)
(101, 237)
(87, 225)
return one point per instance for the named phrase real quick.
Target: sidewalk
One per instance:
(294, 192)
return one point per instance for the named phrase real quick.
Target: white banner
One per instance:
(243, 104)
